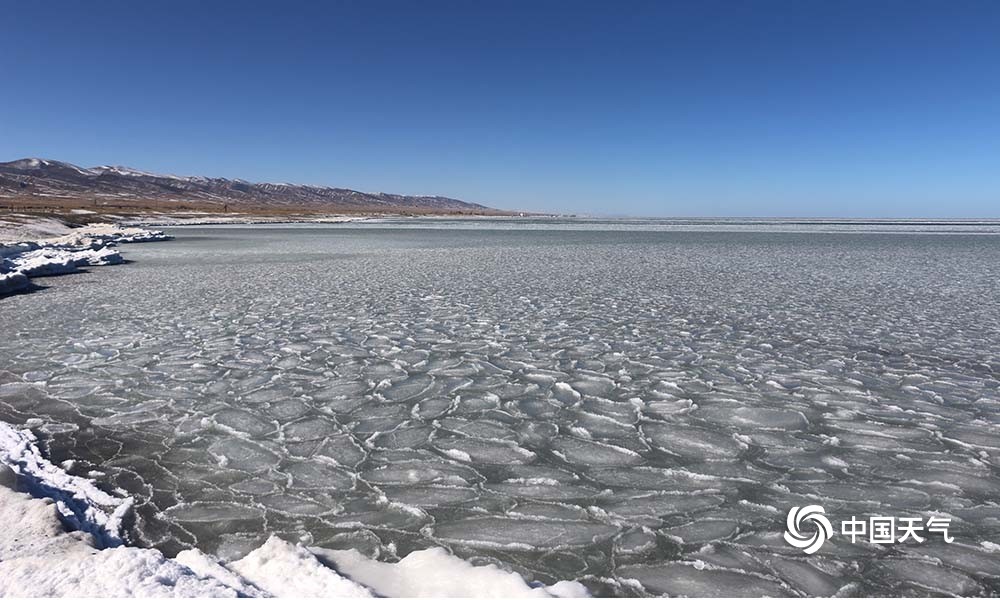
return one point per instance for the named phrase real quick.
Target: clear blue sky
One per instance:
(798, 108)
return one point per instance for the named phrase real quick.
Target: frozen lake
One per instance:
(614, 402)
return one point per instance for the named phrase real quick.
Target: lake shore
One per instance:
(46, 247)
(60, 535)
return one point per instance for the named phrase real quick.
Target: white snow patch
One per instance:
(284, 570)
(39, 558)
(436, 573)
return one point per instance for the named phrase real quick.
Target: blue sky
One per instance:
(764, 108)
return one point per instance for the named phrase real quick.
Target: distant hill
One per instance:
(51, 182)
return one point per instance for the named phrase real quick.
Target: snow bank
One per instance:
(98, 233)
(436, 573)
(284, 569)
(58, 260)
(40, 557)
(80, 503)
(93, 245)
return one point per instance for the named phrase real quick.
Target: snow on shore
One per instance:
(92, 245)
(63, 538)
(80, 503)
(39, 558)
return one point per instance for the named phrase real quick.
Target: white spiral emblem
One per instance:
(793, 528)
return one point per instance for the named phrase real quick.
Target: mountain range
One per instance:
(42, 183)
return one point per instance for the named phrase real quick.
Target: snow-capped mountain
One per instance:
(117, 185)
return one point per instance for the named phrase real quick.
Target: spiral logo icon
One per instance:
(799, 515)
